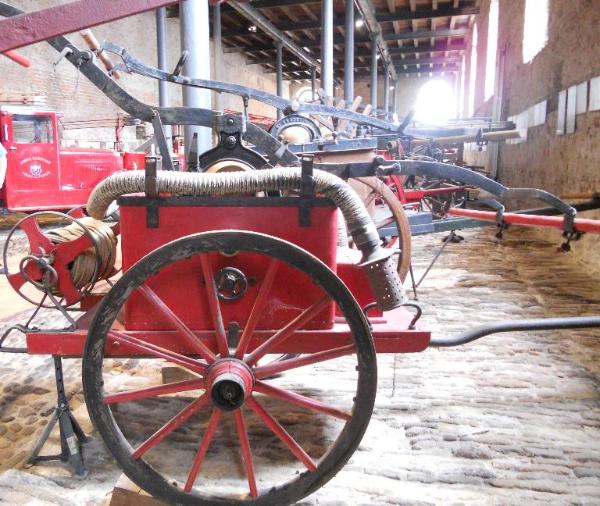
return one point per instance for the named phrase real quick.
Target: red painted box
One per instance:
(181, 286)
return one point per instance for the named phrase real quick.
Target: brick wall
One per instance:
(557, 163)
(78, 99)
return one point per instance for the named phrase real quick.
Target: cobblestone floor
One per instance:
(510, 420)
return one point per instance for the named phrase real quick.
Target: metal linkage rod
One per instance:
(132, 64)
(578, 322)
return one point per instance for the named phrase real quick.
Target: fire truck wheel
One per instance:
(242, 434)
(386, 210)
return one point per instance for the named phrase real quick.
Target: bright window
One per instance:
(492, 48)
(535, 28)
(436, 102)
(473, 72)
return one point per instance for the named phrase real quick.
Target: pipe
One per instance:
(378, 262)
(218, 49)
(327, 47)
(486, 136)
(581, 225)
(386, 90)
(279, 69)
(161, 50)
(394, 98)
(578, 322)
(194, 28)
(349, 53)
(18, 58)
(373, 73)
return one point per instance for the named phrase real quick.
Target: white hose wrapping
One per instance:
(360, 224)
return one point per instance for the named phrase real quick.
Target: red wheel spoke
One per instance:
(67, 251)
(287, 331)
(393, 241)
(214, 306)
(37, 240)
(171, 425)
(144, 393)
(301, 400)
(246, 452)
(265, 371)
(157, 351)
(185, 331)
(282, 434)
(257, 309)
(215, 417)
(16, 280)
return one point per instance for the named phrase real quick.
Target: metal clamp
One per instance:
(502, 225)
(307, 190)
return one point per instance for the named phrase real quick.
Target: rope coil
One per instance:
(84, 267)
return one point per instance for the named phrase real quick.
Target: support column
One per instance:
(194, 28)
(374, 73)
(386, 89)
(394, 98)
(349, 54)
(313, 82)
(327, 47)
(279, 69)
(218, 48)
(161, 50)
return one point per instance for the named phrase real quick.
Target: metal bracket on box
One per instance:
(307, 191)
(151, 191)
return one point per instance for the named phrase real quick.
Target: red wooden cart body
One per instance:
(181, 285)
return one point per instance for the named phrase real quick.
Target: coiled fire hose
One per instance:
(86, 268)
(377, 262)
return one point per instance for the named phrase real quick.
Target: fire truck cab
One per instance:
(43, 175)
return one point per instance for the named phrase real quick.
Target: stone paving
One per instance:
(509, 420)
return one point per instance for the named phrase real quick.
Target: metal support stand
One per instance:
(453, 237)
(71, 434)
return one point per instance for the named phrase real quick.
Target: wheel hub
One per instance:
(230, 382)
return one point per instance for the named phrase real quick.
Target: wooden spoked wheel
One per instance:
(389, 218)
(235, 432)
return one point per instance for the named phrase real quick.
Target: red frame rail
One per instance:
(528, 220)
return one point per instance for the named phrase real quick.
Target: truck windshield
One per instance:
(32, 129)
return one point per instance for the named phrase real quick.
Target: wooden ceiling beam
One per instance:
(442, 11)
(426, 34)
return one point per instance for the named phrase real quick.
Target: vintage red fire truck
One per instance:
(43, 175)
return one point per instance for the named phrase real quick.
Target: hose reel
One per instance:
(64, 262)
